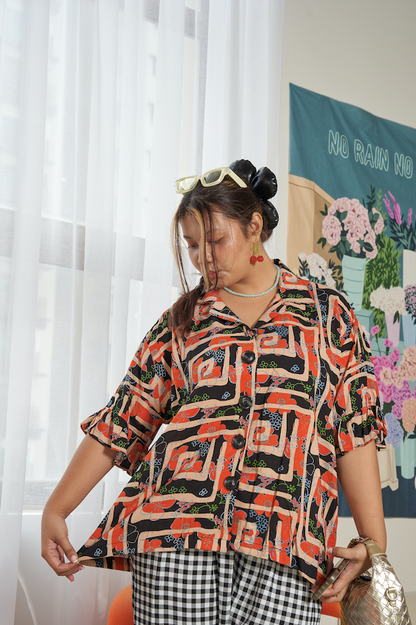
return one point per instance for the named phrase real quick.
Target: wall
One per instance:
(362, 53)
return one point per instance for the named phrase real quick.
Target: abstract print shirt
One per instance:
(231, 435)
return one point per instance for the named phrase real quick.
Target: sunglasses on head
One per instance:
(209, 179)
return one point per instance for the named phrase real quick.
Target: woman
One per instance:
(242, 406)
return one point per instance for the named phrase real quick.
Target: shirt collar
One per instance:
(211, 304)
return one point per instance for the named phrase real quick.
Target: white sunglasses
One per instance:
(209, 179)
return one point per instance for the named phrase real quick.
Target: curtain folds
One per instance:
(103, 104)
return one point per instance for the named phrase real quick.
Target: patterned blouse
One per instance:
(231, 435)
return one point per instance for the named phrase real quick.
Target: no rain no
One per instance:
(373, 156)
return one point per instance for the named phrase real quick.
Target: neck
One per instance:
(261, 285)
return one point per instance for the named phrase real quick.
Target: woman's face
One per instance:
(230, 245)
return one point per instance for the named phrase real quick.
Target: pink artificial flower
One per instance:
(388, 343)
(387, 205)
(397, 212)
(409, 217)
(375, 330)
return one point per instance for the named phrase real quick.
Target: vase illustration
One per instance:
(409, 268)
(406, 458)
(353, 273)
(409, 330)
(393, 329)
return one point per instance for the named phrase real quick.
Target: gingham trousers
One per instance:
(193, 587)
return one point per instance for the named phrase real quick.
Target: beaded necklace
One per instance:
(274, 285)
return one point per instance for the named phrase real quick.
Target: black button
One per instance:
(230, 482)
(238, 441)
(245, 402)
(248, 357)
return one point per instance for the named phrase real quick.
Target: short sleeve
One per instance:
(141, 403)
(359, 417)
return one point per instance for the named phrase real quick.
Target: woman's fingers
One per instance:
(56, 548)
(54, 555)
(358, 563)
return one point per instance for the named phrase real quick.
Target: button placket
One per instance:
(245, 402)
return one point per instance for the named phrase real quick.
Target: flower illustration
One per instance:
(394, 430)
(410, 301)
(388, 300)
(158, 505)
(316, 269)
(151, 545)
(408, 363)
(265, 502)
(352, 229)
(207, 541)
(209, 429)
(184, 526)
(409, 414)
(403, 231)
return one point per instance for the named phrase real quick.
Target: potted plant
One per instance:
(403, 233)
(391, 302)
(352, 230)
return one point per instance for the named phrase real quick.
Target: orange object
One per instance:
(331, 609)
(121, 610)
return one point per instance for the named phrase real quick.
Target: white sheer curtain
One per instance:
(103, 104)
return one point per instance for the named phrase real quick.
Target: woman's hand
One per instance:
(359, 562)
(55, 546)
(90, 463)
(359, 475)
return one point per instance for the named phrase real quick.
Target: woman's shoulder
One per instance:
(160, 329)
(317, 291)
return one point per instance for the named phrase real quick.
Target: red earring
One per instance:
(255, 256)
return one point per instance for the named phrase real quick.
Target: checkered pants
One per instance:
(193, 587)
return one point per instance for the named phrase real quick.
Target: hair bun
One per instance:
(264, 183)
(244, 168)
(271, 213)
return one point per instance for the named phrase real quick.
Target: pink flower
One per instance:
(385, 376)
(331, 229)
(408, 363)
(397, 212)
(409, 218)
(395, 355)
(353, 241)
(357, 221)
(375, 330)
(409, 414)
(387, 205)
(398, 378)
(388, 343)
(399, 396)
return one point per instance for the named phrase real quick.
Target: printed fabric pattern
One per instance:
(246, 425)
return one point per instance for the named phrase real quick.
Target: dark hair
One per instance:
(234, 202)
